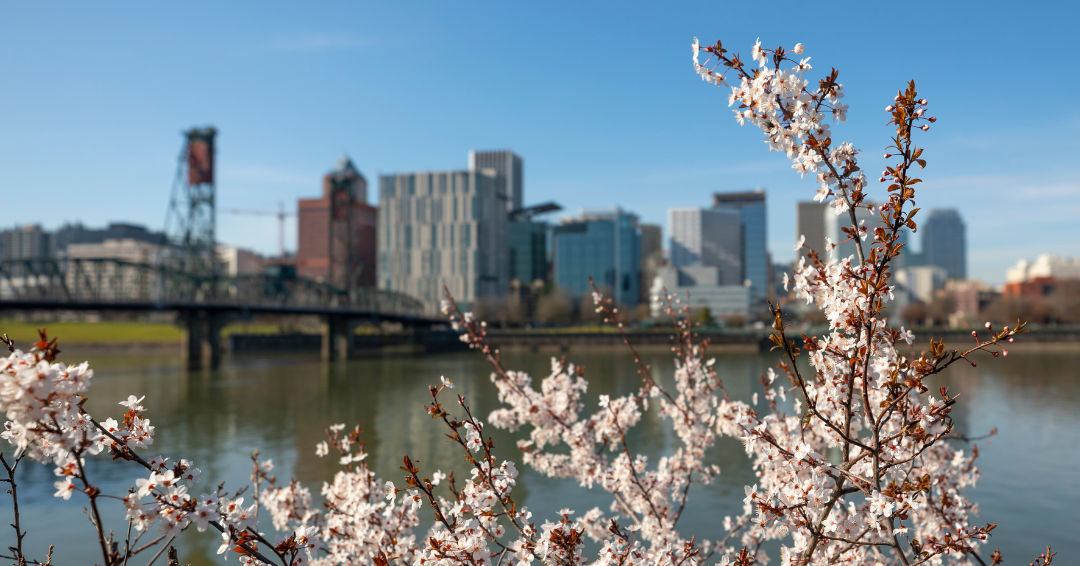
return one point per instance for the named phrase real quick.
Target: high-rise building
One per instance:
(604, 245)
(446, 227)
(508, 168)
(336, 233)
(652, 256)
(810, 223)
(752, 211)
(709, 237)
(944, 242)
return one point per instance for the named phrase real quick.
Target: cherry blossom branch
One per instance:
(14, 491)
(128, 453)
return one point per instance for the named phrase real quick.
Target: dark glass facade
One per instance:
(606, 247)
(528, 251)
(945, 242)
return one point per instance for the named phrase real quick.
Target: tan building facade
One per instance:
(448, 227)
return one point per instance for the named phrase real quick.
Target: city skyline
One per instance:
(290, 90)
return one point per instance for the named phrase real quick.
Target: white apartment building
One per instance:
(446, 227)
(701, 284)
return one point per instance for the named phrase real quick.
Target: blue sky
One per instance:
(600, 100)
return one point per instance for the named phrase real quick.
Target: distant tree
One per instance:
(554, 307)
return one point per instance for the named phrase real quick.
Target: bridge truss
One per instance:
(101, 283)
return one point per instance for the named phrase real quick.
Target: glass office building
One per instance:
(528, 250)
(752, 211)
(604, 245)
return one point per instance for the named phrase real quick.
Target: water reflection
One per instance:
(281, 404)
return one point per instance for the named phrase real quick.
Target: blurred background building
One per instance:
(810, 222)
(509, 171)
(652, 256)
(709, 237)
(755, 250)
(702, 285)
(447, 227)
(945, 242)
(605, 245)
(336, 236)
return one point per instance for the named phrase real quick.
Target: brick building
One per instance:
(337, 232)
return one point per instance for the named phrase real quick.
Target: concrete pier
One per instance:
(202, 339)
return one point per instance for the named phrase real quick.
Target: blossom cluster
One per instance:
(43, 402)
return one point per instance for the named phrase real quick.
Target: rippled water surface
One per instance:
(281, 404)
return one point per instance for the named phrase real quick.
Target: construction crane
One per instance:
(281, 214)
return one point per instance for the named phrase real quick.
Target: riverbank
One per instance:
(117, 337)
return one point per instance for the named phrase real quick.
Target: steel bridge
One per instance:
(204, 304)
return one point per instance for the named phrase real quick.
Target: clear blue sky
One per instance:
(600, 100)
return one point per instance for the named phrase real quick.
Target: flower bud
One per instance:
(887, 155)
(920, 112)
(881, 180)
(889, 108)
(923, 102)
(933, 119)
(988, 326)
(924, 127)
(798, 49)
(896, 98)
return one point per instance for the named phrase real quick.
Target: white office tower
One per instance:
(709, 237)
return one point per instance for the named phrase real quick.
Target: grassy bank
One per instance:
(25, 333)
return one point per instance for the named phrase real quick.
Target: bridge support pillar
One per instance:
(202, 340)
(337, 342)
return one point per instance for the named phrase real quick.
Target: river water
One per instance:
(281, 405)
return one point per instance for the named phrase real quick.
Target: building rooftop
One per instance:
(344, 165)
(751, 196)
